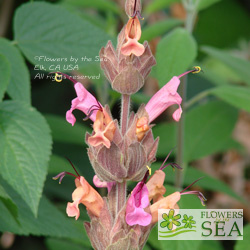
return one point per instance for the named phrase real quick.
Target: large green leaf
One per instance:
(62, 131)
(49, 221)
(203, 4)
(157, 5)
(25, 145)
(175, 53)
(237, 96)
(59, 244)
(208, 130)
(238, 65)
(4, 75)
(8, 203)
(19, 85)
(104, 5)
(159, 28)
(244, 244)
(46, 30)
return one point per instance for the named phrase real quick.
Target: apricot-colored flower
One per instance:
(104, 128)
(155, 186)
(86, 195)
(132, 35)
(142, 127)
(169, 202)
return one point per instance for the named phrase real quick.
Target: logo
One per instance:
(200, 224)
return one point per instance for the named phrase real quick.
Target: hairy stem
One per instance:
(121, 195)
(125, 113)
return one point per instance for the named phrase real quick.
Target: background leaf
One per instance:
(215, 122)
(66, 36)
(239, 66)
(244, 244)
(8, 203)
(19, 86)
(62, 131)
(104, 5)
(203, 4)
(25, 145)
(4, 75)
(175, 53)
(237, 96)
(49, 221)
(159, 28)
(157, 5)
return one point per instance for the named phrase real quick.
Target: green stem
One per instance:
(190, 7)
(197, 98)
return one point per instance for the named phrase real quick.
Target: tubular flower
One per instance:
(132, 35)
(104, 129)
(86, 195)
(142, 127)
(166, 97)
(136, 203)
(84, 102)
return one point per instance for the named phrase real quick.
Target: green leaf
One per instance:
(19, 85)
(159, 29)
(238, 65)
(8, 203)
(203, 4)
(62, 131)
(208, 130)
(47, 30)
(4, 75)
(103, 5)
(236, 96)
(58, 244)
(25, 145)
(175, 53)
(211, 244)
(49, 221)
(244, 244)
(157, 5)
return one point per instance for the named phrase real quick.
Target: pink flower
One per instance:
(86, 195)
(164, 98)
(167, 96)
(100, 184)
(132, 35)
(84, 102)
(138, 200)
